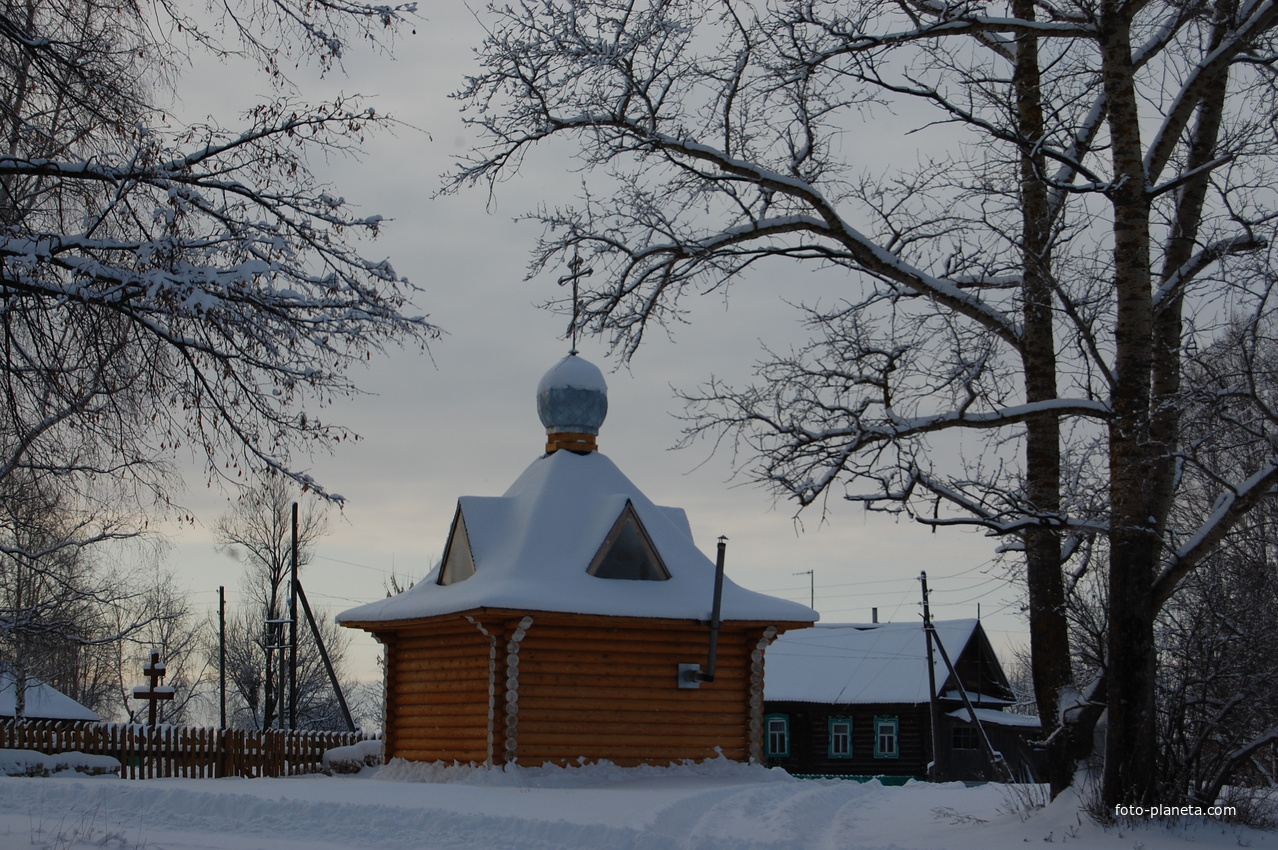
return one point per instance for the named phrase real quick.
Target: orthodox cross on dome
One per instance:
(153, 670)
(574, 266)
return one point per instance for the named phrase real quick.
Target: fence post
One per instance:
(123, 737)
(221, 753)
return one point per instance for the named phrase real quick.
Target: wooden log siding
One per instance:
(439, 693)
(181, 751)
(502, 686)
(597, 689)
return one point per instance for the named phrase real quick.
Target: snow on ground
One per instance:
(714, 806)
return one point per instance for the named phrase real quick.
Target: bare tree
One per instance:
(258, 531)
(1218, 677)
(165, 286)
(1218, 710)
(1099, 203)
(161, 617)
(63, 612)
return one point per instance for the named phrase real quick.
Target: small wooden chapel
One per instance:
(570, 620)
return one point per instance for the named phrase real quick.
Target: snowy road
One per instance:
(724, 807)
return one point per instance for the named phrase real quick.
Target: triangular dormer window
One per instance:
(627, 552)
(459, 564)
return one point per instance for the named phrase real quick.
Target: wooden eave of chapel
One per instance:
(426, 625)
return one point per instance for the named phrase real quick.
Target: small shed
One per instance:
(569, 618)
(43, 702)
(854, 700)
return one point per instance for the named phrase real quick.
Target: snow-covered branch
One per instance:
(1231, 506)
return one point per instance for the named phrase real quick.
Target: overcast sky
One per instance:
(462, 420)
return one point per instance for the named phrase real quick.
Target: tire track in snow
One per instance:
(245, 820)
(808, 815)
(814, 816)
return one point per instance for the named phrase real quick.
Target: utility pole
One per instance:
(292, 632)
(328, 664)
(996, 758)
(934, 708)
(277, 665)
(221, 655)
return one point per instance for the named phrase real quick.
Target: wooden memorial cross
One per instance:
(154, 670)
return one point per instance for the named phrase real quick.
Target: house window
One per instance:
(964, 738)
(840, 738)
(777, 730)
(885, 738)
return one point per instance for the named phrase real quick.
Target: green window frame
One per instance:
(840, 729)
(887, 738)
(776, 735)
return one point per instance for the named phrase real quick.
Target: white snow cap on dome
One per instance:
(573, 371)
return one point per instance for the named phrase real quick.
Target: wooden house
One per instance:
(854, 700)
(569, 620)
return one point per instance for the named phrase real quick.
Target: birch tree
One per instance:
(1096, 205)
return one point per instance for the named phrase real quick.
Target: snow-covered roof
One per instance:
(997, 718)
(954, 695)
(43, 701)
(532, 548)
(860, 663)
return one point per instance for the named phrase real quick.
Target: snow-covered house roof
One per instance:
(997, 718)
(574, 535)
(864, 663)
(43, 702)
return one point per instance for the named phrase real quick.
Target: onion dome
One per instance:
(572, 401)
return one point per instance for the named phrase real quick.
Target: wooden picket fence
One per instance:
(181, 751)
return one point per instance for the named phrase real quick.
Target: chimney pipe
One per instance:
(715, 622)
(691, 675)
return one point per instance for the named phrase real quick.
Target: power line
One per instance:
(353, 564)
(983, 565)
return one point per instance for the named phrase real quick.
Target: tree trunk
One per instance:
(1134, 542)
(1049, 631)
